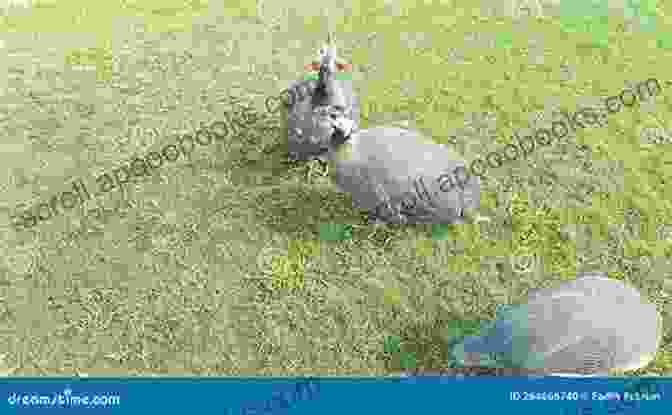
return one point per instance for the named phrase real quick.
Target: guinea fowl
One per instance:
(399, 176)
(316, 101)
(588, 326)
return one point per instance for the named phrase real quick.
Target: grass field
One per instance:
(235, 262)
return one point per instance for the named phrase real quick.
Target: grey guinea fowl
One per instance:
(396, 173)
(588, 326)
(313, 103)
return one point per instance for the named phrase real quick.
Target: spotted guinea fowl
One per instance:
(400, 176)
(591, 325)
(313, 102)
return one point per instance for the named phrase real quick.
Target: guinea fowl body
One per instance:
(314, 102)
(307, 134)
(589, 326)
(396, 174)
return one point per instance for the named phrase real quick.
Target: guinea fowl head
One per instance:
(327, 84)
(332, 109)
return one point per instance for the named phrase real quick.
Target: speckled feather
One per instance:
(309, 130)
(384, 168)
(589, 325)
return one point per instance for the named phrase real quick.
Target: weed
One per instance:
(335, 232)
(286, 271)
(397, 357)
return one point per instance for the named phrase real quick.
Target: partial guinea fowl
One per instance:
(314, 103)
(591, 325)
(399, 176)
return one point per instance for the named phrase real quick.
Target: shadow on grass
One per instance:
(258, 153)
(302, 211)
(299, 210)
(426, 349)
(267, 166)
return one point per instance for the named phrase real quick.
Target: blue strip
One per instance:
(450, 395)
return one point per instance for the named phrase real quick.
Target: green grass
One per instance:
(236, 262)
